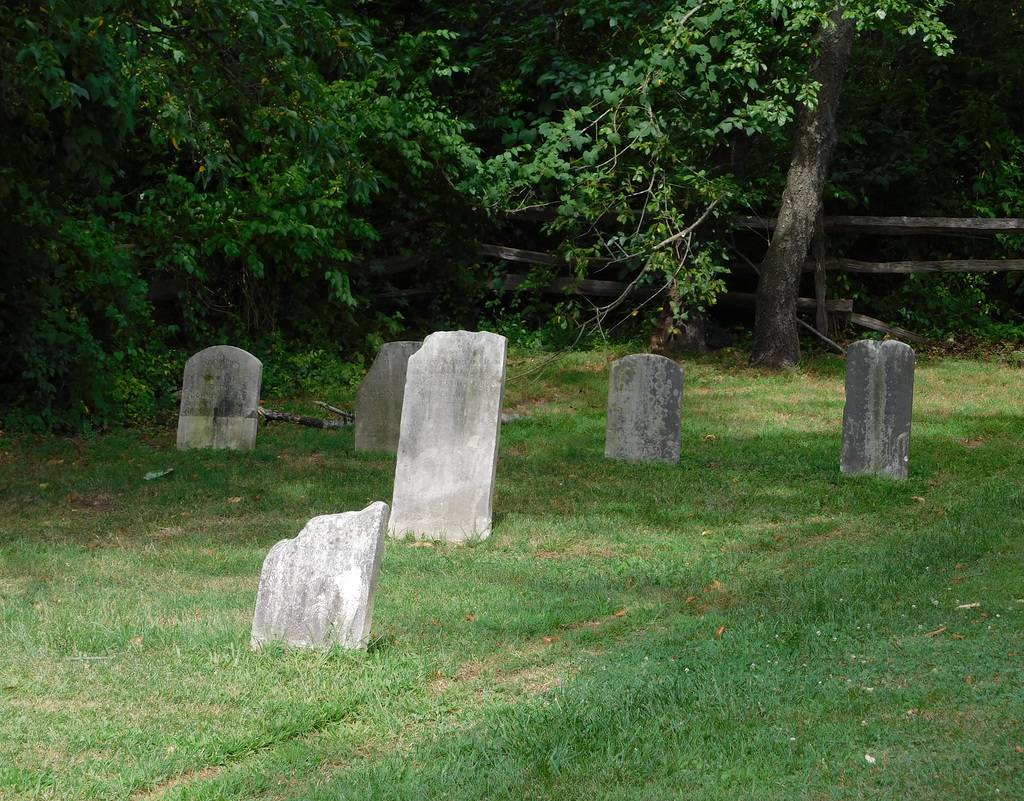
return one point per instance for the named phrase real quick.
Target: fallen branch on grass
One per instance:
(344, 420)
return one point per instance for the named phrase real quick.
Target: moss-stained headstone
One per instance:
(220, 394)
(448, 448)
(380, 396)
(318, 589)
(879, 402)
(645, 409)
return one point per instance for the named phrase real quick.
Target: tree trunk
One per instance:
(776, 343)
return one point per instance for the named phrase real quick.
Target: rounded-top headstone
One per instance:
(220, 395)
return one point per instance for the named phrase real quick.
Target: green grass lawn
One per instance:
(747, 624)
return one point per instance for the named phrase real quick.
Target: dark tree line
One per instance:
(311, 178)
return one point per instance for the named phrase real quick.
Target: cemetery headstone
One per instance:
(879, 401)
(645, 409)
(220, 394)
(380, 396)
(448, 447)
(317, 589)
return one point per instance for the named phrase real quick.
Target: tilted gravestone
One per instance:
(317, 589)
(645, 409)
(879, 401)
(448, 448)
(220, 394)
(379, 398)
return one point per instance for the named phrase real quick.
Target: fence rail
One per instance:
(906, 226)
(821, 266)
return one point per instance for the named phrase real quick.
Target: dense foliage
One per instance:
(930, 136)
(307, 178)
(176, 175)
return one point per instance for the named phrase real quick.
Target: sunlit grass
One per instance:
(748, 623)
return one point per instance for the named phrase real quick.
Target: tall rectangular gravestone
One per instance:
(645, 409)
(448, 448)
(220, 394)
(879, 401)
(317, 589)
(380, 396)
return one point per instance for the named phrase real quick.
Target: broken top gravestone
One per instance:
(645, 409)
(879, 402)
(317, 589)
(220, 394)
(380, 396)
(448, 447)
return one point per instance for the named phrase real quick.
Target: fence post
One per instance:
(820, 280)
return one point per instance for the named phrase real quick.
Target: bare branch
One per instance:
(676, 237)
(348, 416)
(269, 415)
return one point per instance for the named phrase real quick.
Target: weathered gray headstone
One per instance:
(318, 589)
(379, 398)
(448, 448)
(220, 394)
(645, 409)
(879, 401)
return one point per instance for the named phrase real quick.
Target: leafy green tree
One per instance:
(632, 142)
(776, 343)
(242, 157)
(775, 337)
(174, 175)
(635, 129)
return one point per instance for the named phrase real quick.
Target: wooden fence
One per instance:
(821, 264)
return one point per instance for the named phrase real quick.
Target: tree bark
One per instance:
(776, 343)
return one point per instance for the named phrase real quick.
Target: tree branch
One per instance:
(269, 416)
(676, 237)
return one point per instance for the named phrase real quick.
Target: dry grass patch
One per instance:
(93, 503)
(302, 460)
(60, 706)
(718, 596)
(580, 550)
(161, 790)
(829, 539)
(539, 679)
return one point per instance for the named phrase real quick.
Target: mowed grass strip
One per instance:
(748, 623)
